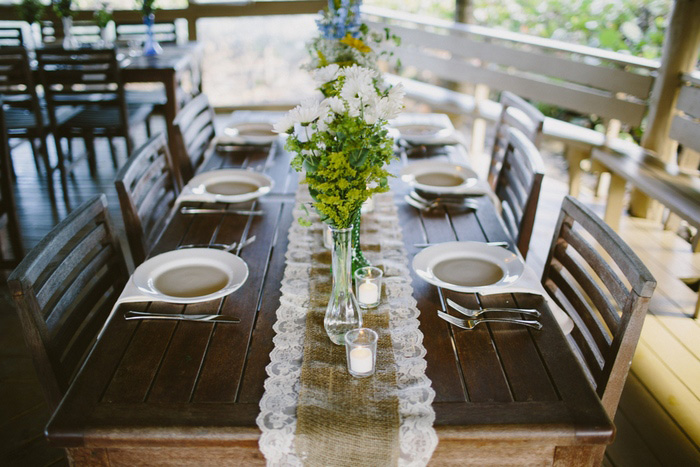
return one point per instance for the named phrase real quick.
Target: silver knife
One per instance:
(240, 212)
(425, 245)
(179, 317)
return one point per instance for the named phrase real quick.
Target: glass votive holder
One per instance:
(361, 351)
(368, 287)
(327, 237)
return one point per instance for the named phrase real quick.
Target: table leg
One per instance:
(616, 195)
(574, 156)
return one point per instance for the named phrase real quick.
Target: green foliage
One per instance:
(103, 16)
(30, 11)
(62, 8)
(628, 26)
(349, 171)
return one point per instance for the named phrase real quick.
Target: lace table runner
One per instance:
(307, 268)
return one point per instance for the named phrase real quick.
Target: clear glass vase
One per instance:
(150, 46)
(342, 312)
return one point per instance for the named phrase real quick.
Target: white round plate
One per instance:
(191, 275)
(251, 133)
(423, 133)
(439, 177)
(467, 266)
(231, 185)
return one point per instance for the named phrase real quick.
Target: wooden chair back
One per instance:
(81, 77)
(147, 187)
(194, 133)
(84, 32)
(605, 288)
(518, 187)
(11, 250)
(516, 112)
(64, 290)
(17, 82)
(11, 35)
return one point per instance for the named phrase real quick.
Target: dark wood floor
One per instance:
(23, 412)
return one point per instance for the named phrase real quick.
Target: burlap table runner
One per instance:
(341, 420)
(313, 412)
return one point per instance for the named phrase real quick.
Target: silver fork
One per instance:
(434, 202)
(469, 313)
(472, 323)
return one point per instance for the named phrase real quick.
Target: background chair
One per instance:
(64, 290)
(89, 79)
(518, 187)
(164, 32)
(605, 289)
(24, 116)
(147, 187)
(11, 240)
(515, 113)
(195, 135)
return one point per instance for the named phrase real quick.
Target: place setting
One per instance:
(484, 269)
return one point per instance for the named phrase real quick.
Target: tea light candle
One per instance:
(368, 293)
(368, 287)
(361, 360)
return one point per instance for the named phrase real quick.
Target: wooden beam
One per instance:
(679, 55)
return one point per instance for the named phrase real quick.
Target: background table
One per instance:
(179, 392)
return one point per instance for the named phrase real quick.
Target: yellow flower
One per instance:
(355, 43)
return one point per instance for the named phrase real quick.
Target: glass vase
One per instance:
(150, 46)
(342, 312)
(69, 42)
(358, 258)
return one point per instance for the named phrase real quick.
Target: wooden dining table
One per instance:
(171, 392)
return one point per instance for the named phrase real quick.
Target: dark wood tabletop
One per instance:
(185, 392)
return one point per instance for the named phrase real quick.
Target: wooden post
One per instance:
(464, 11)
(679, 55)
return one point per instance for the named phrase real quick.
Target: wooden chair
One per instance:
(605, 288)
(64, 290)
(515, 113)
(194, 135)
(11, 239)
(24, 116)
(147, 187)
(91, 80)
(518, 187)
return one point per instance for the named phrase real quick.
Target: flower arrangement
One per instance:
(341, 141)
(103, 15)
(345, 41)
(30, 11)
(62, 8)
(147, 7)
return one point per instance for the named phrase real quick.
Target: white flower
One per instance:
(308, 111)
(283, 125)
(358, 83)
(336, 104)
(326, 74)
(397, 93)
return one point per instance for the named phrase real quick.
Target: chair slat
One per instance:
(69, 264)
(594, 293)
(595, 260)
